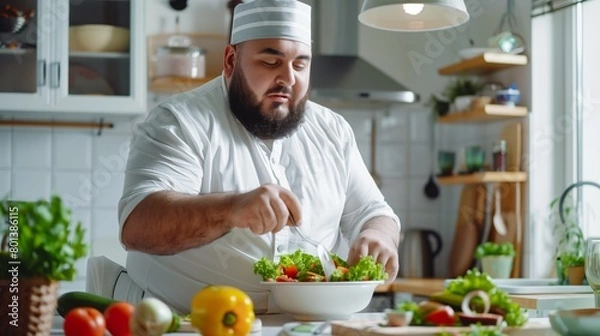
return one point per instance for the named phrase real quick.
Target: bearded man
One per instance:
(217, 175)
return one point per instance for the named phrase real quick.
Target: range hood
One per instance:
(337, 72)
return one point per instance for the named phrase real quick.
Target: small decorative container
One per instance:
(185, 62)
(397, 318)
(508, 97)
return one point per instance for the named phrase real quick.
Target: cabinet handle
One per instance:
(54, 75)
(41, 75)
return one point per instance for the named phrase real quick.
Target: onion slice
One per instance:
(470, 296)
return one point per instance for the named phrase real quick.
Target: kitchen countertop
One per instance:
(425, 287)
(272, 325)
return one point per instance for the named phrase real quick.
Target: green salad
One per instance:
(300, 266)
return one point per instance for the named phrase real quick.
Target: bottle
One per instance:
(499, 154)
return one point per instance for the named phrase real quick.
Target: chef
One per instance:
(216, 175)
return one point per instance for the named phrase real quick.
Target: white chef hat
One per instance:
(262, 19)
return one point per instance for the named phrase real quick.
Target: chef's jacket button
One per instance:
(280, 248)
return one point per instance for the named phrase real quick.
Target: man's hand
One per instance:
(378, 238)
(267, 208)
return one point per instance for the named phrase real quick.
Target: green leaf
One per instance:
(49, 242)
(494, 249)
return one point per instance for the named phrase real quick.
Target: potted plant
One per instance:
(569, 238)
(439, 105)
(496, 259)
(461, 92)
(574, 267)
(40, 245)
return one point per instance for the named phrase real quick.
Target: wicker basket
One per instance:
(36, 304)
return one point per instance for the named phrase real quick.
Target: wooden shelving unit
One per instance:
(483, 64)
(486, 113)
(484, 177)
(512, 182)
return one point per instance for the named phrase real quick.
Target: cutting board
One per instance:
(468, 229)
(512, 134)
(534, 327)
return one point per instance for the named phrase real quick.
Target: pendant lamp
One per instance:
(413, 15)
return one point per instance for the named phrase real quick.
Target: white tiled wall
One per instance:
(86, 170)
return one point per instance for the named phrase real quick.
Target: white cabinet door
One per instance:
(90, 58)
(24, 55)
(100, 74)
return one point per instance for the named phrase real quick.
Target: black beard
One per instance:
(248, 110)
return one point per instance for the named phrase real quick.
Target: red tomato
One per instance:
(343, 269)
(117, 317)
(291, 271)
(442, 316)
(84, 322)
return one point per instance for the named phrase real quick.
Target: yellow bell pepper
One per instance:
(222, 311)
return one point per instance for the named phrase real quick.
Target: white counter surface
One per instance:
(272, 325)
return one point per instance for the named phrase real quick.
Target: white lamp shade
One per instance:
(413, 15)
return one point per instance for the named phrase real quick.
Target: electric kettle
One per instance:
(417, 254)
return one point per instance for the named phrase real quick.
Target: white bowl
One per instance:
(320, 301)
(576, 321)
(396, 318)
(462, 103)
(98, 38)
(474, 52)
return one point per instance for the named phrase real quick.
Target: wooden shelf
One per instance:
(176, 84)
(483, 64)
(484, 177)
(107, 55)
(489, 112)
(16, 51)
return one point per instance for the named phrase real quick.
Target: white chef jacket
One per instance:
(193, 144)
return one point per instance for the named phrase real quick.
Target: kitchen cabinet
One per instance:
(509, 183)
(44, 69)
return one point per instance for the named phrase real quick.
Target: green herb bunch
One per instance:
(42, 237)
(461, 87)
(494, 249)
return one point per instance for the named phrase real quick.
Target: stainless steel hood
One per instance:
(338, 73)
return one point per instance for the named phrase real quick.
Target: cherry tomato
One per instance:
(84, 322)
(442, 316)
(117, 317)
(291, 271)
(343, 269)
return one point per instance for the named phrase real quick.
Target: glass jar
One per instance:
(186, 62)
(499, 155)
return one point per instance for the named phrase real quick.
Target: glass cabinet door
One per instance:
(99, 45)
(23, 59)
(101, 56)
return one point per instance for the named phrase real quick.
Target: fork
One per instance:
(322, 252)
